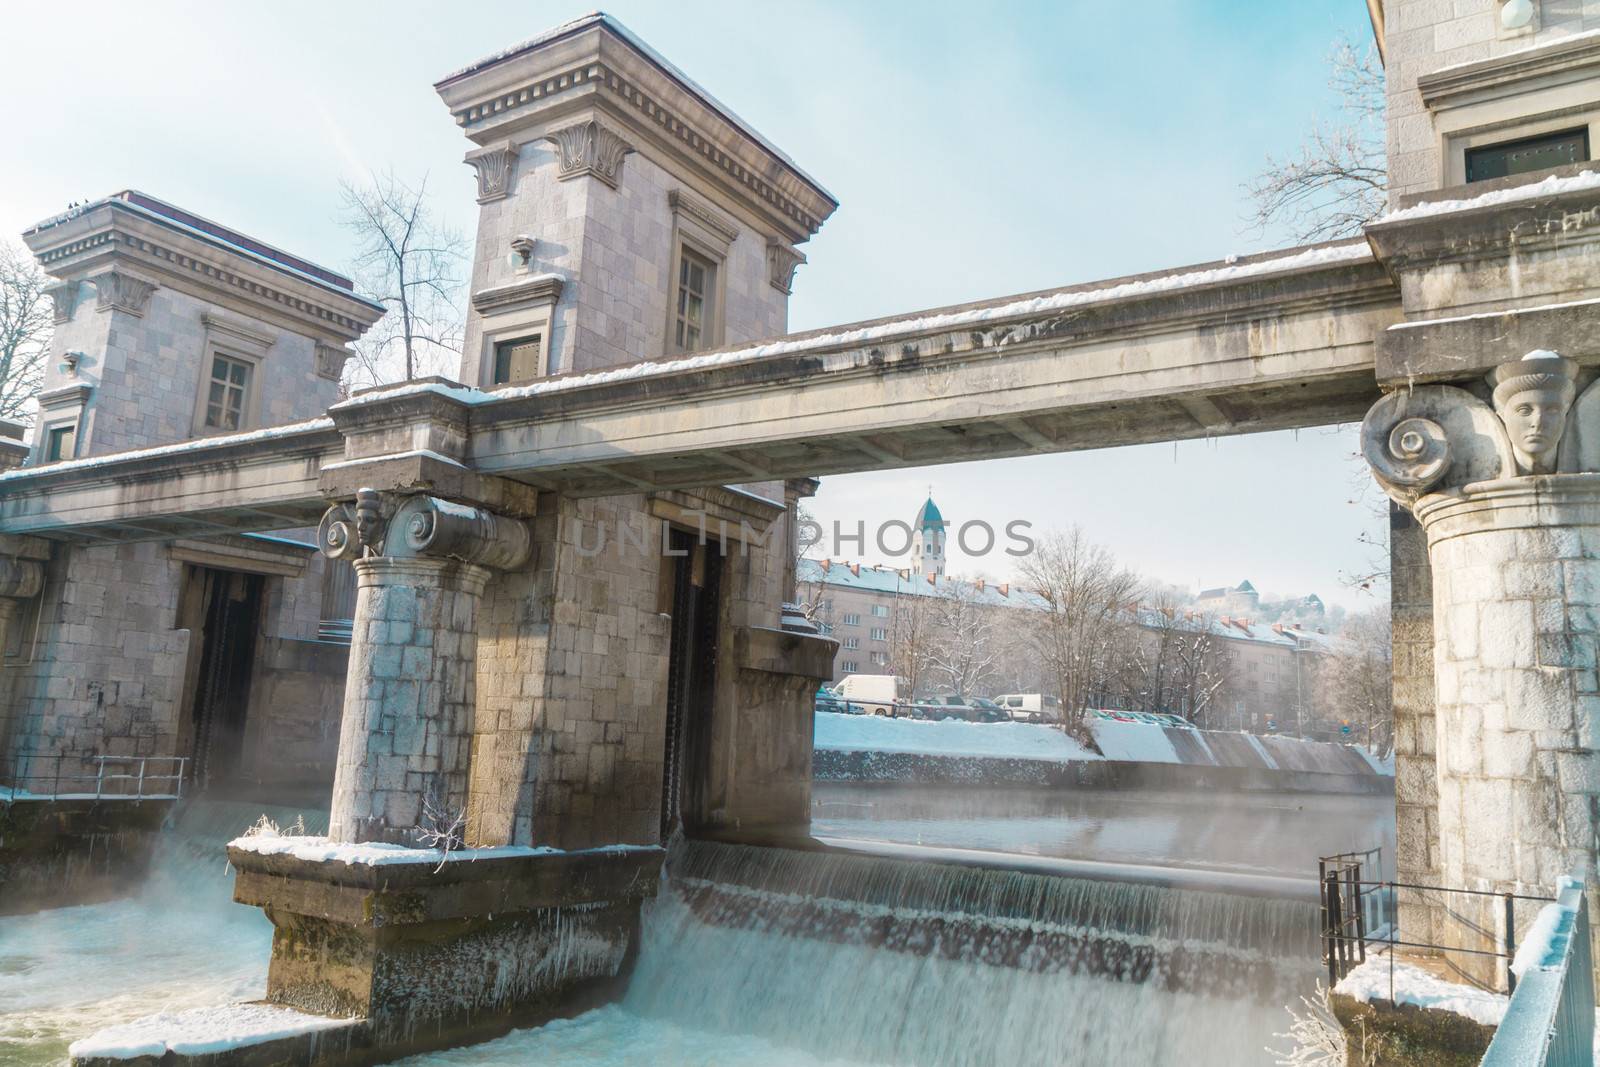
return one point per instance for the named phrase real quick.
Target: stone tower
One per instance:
(927, 540)
(625, 214)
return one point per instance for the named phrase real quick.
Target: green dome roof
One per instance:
(929, 516)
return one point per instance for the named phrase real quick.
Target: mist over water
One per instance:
(1270, 833)
(179, 942)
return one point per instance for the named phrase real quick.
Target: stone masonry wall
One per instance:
(572, 673)
(1423, 36)
(292, 725)
(1416, 791)
(614, 249)
(106, 672)
(146, 372)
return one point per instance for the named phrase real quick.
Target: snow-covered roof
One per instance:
(876, 578)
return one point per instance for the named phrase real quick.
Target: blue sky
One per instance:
(974, 152)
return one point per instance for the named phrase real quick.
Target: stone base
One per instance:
(61, 853)
(1404, 1035)
(432, 955)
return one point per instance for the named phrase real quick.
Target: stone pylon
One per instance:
(1508, 495)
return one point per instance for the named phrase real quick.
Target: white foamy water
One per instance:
(180, 942)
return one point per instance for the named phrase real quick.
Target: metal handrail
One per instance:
(141, 775)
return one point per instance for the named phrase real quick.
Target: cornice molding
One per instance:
(543, 289)
(719, 225)
(109, 236)
(119, 291)
(589, 148)
(67, 396)
(802, 209)
(1576, 56)
(781, 263)
(496, 170)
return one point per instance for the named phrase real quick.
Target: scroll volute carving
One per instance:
(1433, 439)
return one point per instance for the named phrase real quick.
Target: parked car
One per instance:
(971, 709)
(878, 694)
(1031, 707)
(828, 700)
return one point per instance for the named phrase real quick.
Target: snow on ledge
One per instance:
(1526, 50)
(1551, 186)
(378, 854)
(1370, 982)
(178, 448)
(201, 1031)
(861, 336)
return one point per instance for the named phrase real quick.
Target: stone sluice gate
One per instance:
(1178, 939)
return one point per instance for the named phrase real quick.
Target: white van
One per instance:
(878, 694)
(1031, 707)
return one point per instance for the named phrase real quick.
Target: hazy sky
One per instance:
(974, 153)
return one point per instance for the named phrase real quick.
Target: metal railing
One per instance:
(64, 778)
(1550, 1020)
(1348, 928)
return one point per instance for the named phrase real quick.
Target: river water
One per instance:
(704, 993)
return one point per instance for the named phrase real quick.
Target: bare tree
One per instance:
(26, 324)
(1338, 180)
(410, 263)
(1086, 595)
(913, 636)
(1175, 664)
(966, 652)
(1356, 678)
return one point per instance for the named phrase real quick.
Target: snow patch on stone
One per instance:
(1412, 985)
(1134, 742)
(378, 853)
(1551, 186)
(201, 1031)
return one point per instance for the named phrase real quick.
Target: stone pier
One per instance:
(1508, 496)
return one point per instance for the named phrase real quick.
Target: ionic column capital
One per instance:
(1437, 440)
(421, 526)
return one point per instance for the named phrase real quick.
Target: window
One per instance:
(1528, 154)
(879, 633)
(852, 642)
(826, 605)
(881, 610)
(851, 666)
(517, 360)
(824, 628)
(852, 620)
(226, 392)
(696, 278)
(61, 443)
(880, 658)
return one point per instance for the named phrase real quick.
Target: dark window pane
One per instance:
(1528, 154)
(517, 360)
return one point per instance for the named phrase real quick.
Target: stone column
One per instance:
(1511, 510)
(405, 738)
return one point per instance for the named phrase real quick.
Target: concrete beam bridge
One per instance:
(1265, 342)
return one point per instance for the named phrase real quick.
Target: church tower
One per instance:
(927, 540)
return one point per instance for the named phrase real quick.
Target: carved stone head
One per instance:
(369, 519)
(1532, 396)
